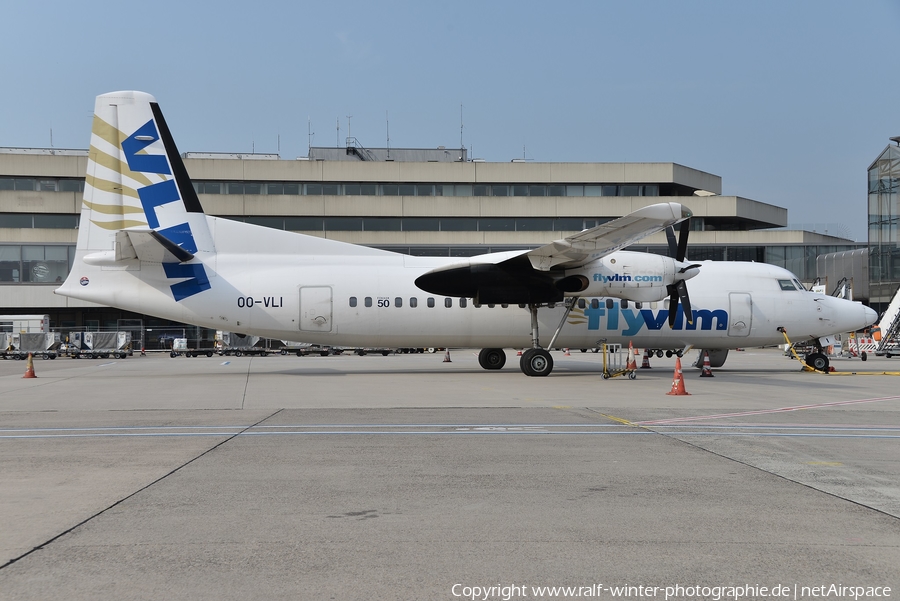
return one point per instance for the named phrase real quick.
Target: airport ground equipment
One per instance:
(233, 343)
(302, 349)
(17, 345)
(815, 361)
(98, 345)
(889, 327)
(184, 347)
(615, 363)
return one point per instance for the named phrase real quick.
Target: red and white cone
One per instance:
(678, 381)
(645, 363)
(631, 363)
(706, 372)
(29, 368)
(447, 357)
(567, 353)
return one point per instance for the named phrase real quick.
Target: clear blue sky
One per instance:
(789, 102)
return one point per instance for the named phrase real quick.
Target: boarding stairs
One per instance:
(889, 325)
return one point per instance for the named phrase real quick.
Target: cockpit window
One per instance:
(799, 285)
(786, 285)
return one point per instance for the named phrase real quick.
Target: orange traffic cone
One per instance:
(645, 364)
(631, 363)
(678, 381)
(29, 368)
(706, 372)
(447, 357)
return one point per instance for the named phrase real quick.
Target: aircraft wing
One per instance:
(606, 238)
(532, 276)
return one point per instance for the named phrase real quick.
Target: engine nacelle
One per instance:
(641, 277)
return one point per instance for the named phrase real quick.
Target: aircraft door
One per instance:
(740, 315)
(315, 308)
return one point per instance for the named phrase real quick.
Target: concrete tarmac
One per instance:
(405, 477)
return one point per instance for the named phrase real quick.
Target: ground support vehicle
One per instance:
(17, 345)
(184, 347)
(98, 345)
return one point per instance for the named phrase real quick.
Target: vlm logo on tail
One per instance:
(159, 196)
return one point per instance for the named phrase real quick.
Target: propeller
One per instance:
(678, 289)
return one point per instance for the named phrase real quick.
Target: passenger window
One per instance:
(624, 304)
(368, 301)
(637, 305)
(398, 302)
(352, 301)
(610, 303)
(430, 302)
(476, 304)
(491, 305)
(786, 285)
(582, 303)
(413, 302)
(504, 305)
(463, 302)
(448, 302)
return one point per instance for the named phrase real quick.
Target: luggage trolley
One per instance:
(615, 363)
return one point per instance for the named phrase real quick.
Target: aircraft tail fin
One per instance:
(136, 178)
(139, 202)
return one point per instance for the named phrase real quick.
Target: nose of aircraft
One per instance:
(870, 315)
(850, 316)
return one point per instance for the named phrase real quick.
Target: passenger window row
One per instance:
(397, 301)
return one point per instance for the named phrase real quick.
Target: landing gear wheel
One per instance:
(536, 362)
(492, 358)
(817, 361)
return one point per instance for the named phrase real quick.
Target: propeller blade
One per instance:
(683, 240)
(673, 244)
(681, 289)
(673, 305)
(678, 291)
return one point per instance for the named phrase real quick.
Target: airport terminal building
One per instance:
(414, 201)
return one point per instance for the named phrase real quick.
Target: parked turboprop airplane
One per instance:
(145, 245)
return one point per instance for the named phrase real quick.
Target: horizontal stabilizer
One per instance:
(144, 245)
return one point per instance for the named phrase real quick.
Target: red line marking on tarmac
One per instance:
(676, 420)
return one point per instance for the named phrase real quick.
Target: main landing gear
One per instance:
(535, 361)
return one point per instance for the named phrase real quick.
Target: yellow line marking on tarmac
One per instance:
(863, 373)
(828, 463)
(620, 420)
(561, 407)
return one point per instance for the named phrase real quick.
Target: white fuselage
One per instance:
(370, 299)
